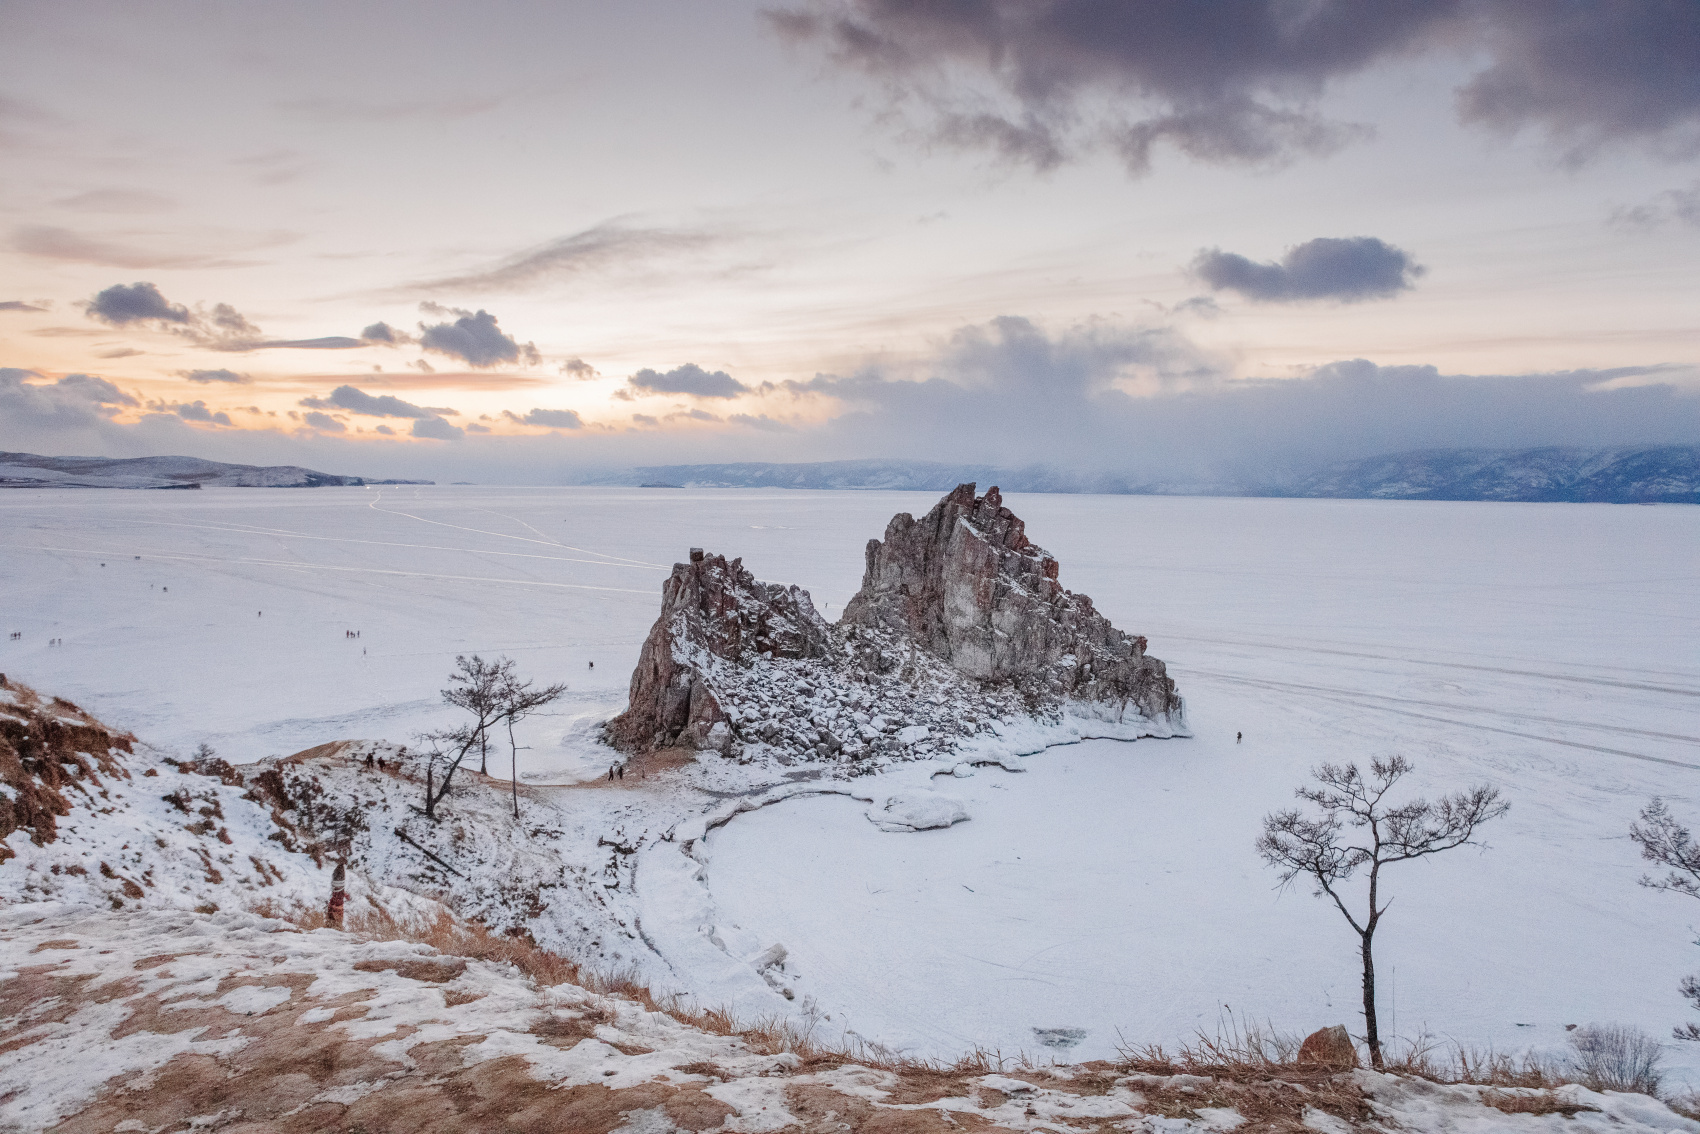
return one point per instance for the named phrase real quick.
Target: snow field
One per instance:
(1548, 649)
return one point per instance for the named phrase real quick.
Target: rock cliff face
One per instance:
(714, 615)
(969, 586)
(960, 636)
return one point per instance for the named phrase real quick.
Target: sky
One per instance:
(513, 242)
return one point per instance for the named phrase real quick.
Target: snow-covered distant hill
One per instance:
(27, 470)
(1667, 474)
(895, 475)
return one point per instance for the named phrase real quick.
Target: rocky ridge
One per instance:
(960, 641)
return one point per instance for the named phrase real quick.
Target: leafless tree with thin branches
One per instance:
(517, 700)
(1320, 848)
(1667, 842)
(476, 686)
(448, 748)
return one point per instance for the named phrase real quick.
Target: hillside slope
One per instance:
(30, 470)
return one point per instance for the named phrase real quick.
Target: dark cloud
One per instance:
(358, 401)
(474, 427)
(646, 420)
(1043, 83)
(689, 379)
(192, 411)
(580, 369)
(1591, 73)
(552, 418)
(437, 429)
(1237, 80)
(222, 328)
(324, 422)
(384, 333)
(208, 376)
(385, 430)
(20, 305)
(1347, 269)
(609, 244)
(123, 304)
(474, 338)
(119, 352)
(1679, 205)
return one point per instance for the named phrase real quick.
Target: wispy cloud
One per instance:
(358, 401)
(340, 110)
(614, 243)
(49, 242)
(118, 201)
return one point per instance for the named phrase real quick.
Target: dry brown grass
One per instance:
(1533, 1104)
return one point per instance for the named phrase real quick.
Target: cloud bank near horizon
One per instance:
(1097, 397)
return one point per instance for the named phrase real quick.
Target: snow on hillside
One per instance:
(28, 470)
(1546, 649)
(164, 1020)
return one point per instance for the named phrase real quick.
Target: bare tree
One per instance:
(518, 700)
(447, 747)
(476, 686)
(1667, 842)
(1316, 848)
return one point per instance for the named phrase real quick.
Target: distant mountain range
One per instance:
(1667, 474)
(27, 470)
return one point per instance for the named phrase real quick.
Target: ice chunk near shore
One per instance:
(917, 811)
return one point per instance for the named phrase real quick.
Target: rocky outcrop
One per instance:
(969, 586)
(51, 753)
(714, 615)
(959, 634)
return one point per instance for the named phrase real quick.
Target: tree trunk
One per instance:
(513, 769)
(430, 799)
(1372, 1034)
(483, 754)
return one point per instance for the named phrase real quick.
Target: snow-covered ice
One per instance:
(1548, 649)
(917, 811)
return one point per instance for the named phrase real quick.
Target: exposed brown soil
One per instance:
(49, 750)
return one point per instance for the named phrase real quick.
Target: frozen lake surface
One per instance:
(1552, 650)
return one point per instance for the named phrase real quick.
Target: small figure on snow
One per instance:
(622, 772)
(333, 912)
(610, 773)
(1238, 736)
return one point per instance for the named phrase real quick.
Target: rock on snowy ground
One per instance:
(169, 1021)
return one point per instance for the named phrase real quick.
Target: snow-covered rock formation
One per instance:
(960, 634)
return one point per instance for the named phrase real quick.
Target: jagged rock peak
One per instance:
(968, 586)
(961, 641)
(713, 613)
